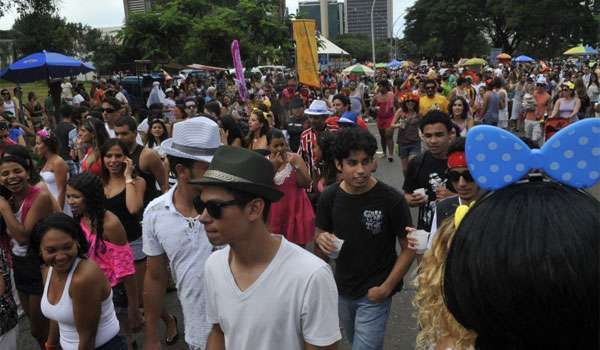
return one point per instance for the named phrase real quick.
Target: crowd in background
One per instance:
(98, 189)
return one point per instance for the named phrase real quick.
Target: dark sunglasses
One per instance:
(190, 106)
(214, 208)
(108, 110)
(455, 176)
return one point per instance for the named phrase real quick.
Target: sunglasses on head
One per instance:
(213, 208)
(455, 176)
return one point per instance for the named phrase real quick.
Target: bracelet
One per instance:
(50, 347)
(128, 181)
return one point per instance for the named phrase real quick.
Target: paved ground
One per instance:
(401, 328)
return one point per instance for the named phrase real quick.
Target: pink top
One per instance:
(116, 261)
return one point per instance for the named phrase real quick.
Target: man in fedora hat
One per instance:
(172, 229)
(263, 291)
(317, 113)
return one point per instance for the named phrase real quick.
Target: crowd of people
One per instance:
(240, 205)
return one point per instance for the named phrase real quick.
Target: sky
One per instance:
(109, 13)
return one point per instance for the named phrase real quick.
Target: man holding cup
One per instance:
(358, 222)
(425, 182)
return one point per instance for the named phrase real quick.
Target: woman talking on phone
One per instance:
(125, 198)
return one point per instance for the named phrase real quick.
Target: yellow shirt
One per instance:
(438, 102)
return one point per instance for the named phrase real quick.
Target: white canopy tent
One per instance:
(329, 48)
(331, 55)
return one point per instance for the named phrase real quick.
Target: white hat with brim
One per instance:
(318, 107)
(195, 138)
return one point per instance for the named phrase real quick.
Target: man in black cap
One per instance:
(263, 291)
(297, 123)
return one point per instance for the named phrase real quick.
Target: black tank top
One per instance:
(131, 223)
(151, 190)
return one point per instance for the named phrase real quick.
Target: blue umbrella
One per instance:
(590, 50)
(523, 59)
(393, 64)
(42, 66)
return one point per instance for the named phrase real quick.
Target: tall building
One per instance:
(358, 17)
(311, 10)
(135, 6)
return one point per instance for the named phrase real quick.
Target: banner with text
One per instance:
(307, 63)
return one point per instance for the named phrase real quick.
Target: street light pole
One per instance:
(373, 33)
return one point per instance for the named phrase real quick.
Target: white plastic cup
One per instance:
(422, 238)
(421, 191)
(338, 247)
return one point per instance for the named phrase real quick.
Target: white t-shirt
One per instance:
(295, 300)
(184, 241)
(77, 99)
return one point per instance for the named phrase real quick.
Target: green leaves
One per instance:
(200, 31)
(465, 28)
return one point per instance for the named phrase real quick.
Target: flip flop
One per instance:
(174, 339)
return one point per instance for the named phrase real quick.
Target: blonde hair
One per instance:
(435, 321)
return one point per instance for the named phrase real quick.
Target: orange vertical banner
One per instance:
(307, 61)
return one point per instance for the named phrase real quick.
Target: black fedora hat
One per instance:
(243, 170)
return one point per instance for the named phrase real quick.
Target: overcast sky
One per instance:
(109, 13)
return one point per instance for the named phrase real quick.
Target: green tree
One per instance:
(27, 6)
(461, 28)
(200, 31)
(359, 47)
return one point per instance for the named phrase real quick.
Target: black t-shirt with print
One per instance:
(369, 224)
(426, 172)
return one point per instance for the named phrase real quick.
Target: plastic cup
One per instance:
(422, 238)
(338, 247)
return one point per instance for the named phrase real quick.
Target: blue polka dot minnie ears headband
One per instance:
(497, 158)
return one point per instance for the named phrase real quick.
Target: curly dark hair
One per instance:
(354, 139)
(92, 188)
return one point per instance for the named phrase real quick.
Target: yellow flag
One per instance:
(307, 61)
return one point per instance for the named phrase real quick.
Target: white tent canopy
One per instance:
(329, 48)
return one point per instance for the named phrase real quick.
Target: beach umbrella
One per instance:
(381, 65)
(580, 51)
(523, 59)
(407, 63)
(358, 69)
(43, 66)
(503, 57)
(475, 62)
(394, 64)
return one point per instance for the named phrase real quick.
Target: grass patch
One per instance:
(40, 88)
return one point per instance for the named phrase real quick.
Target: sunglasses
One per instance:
(108, 110)
(190, 106)
(455, 176)
(214, 208)
(429, 87)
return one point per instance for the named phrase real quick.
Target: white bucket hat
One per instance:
(317, 107)
(195, 138)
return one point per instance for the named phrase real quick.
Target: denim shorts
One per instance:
(137, 249)
(412, 150)
(117, 343)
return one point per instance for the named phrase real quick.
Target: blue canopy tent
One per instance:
(523, 59)
(43, 66)
(394, 64)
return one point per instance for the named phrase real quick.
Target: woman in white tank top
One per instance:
(55, 170)
(77, 296)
